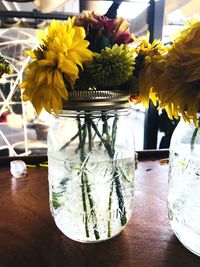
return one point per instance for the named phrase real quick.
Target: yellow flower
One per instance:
(179, 84)
(148, 66)
(54, 68)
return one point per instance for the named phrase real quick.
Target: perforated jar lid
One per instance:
(98, 100)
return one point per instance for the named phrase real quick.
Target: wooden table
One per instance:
(29, 237)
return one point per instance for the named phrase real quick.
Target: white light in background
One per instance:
(7, 5)
(16, 6)
(175, 17)
(128, 10)
(175, 21)
(131, 10)
(70, 6)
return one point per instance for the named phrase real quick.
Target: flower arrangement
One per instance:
(95, 53)
(89, 53)
(98, 54)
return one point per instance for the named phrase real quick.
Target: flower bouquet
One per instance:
(87, 71)
(89, 53)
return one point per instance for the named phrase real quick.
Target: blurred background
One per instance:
(21, 131)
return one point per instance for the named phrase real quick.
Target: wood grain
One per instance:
(29, 237)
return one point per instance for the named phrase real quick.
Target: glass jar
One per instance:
(91, 173)
(184, 185)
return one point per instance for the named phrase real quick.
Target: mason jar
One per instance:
(91, 166)
(184, 185)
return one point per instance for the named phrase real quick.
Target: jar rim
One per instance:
(94, 113)
(97, 100)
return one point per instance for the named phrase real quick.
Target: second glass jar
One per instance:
(184, 185)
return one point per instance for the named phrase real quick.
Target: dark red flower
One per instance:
(104, 32)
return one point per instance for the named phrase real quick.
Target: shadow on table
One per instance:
(113, 253)
(178, 255)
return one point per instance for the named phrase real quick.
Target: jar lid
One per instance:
(98, 100)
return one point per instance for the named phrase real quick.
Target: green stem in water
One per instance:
(105, 124)
(118, 187)
(106, 144)
(106, 131)
(194, 135)
(116, 176)
(114, 133)
(83, 188)
(92, 210)
(81, 141)
(84, 205)
(109, 208)
(84, 179)
(90, 140)
(69, 142)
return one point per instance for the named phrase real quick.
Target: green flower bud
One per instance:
(112, 67)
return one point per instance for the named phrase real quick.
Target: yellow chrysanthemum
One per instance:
(55, 67)
(149, 64)
(179, 85)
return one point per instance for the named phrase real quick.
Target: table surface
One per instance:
(29, 236)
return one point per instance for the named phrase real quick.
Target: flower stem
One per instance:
(194, 135)
(105, 124)
(82, 180)
(116, 176)
(84, 205)
(116, 172)
(106, 144)
(69, 142)
(92, 210)
(114, 133)
(118, 187)
(90, 141)
(86, 193)
(109, 208)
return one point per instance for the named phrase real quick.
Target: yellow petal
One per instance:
(42, 77)
(23, 85)
(56, 104)
(51, 56)
(37, 103)
(30, 53)
(59, 84)
(49, 78)
(79, 33)
(45, 62)
(67, 65)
